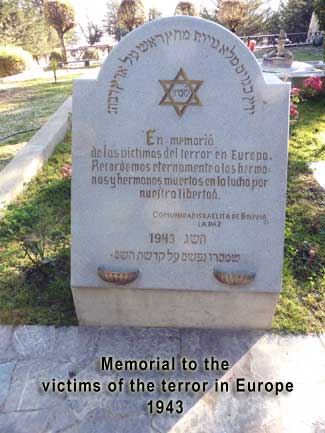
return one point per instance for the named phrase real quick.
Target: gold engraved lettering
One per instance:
(150, 137)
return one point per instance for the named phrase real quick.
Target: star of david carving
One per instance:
(191, 87)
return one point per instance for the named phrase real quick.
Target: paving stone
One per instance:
(222, 413)
(34, 341)
(5, 380)
(76, 344)
(24, 422)
(124, 404)
(223, 345)
(195, 418)
(61, 419)
(7, 351)
(253, 356)
(100, 421)
(73, 429)
(5, 337)
(286, 357)
(139, 343)
(82, 404)
(26, 392)
(135, 403)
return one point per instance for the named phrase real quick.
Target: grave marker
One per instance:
(179, 182)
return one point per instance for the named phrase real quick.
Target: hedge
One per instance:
(13, 60)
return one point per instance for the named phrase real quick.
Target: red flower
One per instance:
(295, 91)
(294, 111)
(314, 83)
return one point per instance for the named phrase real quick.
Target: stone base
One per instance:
(174, 308)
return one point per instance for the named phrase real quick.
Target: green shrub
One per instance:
(56, 55)
(13, 60)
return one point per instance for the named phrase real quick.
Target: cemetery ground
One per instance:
(26, 106)
(35, 240)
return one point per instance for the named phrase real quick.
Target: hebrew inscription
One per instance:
(170, 38)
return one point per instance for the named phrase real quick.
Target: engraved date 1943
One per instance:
(170, 238)
(160, 406)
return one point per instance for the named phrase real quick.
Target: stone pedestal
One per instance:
(117, 306)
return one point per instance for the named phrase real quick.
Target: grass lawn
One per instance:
(302, 54)
(27, 105)
(302, 304)
(8, 152)
(307, 54)
(35, 250)
(35, 241)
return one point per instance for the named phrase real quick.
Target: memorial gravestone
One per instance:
(179, 182)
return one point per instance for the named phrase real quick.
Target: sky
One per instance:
(96, 9)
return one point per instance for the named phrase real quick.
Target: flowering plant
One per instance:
(294, 113)
(295, 92)
(294, 101)
(66, 171)
(311, 87)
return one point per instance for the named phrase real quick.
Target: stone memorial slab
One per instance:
(179, 182)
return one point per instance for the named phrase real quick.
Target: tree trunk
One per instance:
(64, 52)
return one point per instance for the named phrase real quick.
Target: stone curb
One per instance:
(31, 158)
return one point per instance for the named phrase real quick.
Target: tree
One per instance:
(130, 15)
(244, 17)
(10, 18)
(319, 9)
(60, 15)
(154, 13)
(204, 13)
(110, 24)
(39, 5)
(22, 23)
(231, 13)
(93, 33)
(273, 24)
(256, 16)
(296, 15)
(36, 36)
(186, 8)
